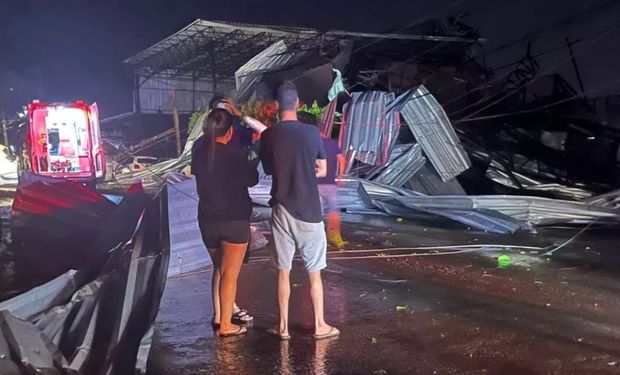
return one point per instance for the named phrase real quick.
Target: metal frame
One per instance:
(213, 51)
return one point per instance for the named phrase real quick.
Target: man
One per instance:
(328, 189)
(293, 154)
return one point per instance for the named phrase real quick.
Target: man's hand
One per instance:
(232, 108)
(321, 168)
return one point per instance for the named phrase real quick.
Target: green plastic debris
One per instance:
(503, 261)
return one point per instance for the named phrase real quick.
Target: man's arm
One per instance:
(321, 168)
(265, 154)
(321, 157)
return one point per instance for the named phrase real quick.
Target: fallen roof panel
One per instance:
(366, 131)
(398, 172)
(536, 210)
(432, 129)
(41, 298)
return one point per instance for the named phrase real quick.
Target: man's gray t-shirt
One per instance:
(289, 151)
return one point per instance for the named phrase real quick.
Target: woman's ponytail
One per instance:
(217, 124)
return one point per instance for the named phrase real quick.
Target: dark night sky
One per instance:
(63, 50)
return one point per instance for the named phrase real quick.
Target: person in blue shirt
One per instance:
(292, 153)
(328, 188)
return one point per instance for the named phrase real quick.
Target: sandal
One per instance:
(242, 317)
(275, 331)
(333, 332)
(239, 332)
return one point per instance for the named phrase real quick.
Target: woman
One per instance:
(223, 175)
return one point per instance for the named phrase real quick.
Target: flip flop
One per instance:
(242, 317)
(239, 332)
(273, 331)
(333, 332)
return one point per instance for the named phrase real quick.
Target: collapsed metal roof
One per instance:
(219, 48)
(216, 48)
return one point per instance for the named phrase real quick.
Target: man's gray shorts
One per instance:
(290, 234)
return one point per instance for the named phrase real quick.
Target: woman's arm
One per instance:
(253, 123)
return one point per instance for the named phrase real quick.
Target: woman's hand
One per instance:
(232, 108)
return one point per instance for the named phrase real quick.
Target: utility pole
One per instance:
(4, 130)
(175, 119)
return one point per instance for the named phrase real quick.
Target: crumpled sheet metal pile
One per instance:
(429, 169)
(96, 319)
(419, 180)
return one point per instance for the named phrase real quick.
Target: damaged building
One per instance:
(429, 132)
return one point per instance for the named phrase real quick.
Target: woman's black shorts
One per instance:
(215, 231)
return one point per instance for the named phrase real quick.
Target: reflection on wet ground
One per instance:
(419, 326)
(439, 314)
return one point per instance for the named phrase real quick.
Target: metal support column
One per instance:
(213, 73)
(136, 91)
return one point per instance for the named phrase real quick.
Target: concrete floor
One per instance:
(434, 314)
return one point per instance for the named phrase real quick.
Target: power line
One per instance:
(499, 78)
(576, 96)
(512, 92)
(563, 22)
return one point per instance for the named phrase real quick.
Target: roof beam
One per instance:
(432, 38)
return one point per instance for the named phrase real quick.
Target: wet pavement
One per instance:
(409, 314)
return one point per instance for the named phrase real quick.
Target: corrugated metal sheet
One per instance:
(397, 151)
(395, 202)
(191, 94)
(327, 120)
(428, 182)
(366, 131)
(275, 56)
(432, 129)
(187, 250)
(129, 283)
(393, 112)
(43, 297)
(609, 200)
(261, 192)
(398, 172)
(497, 173)
(535, 210)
